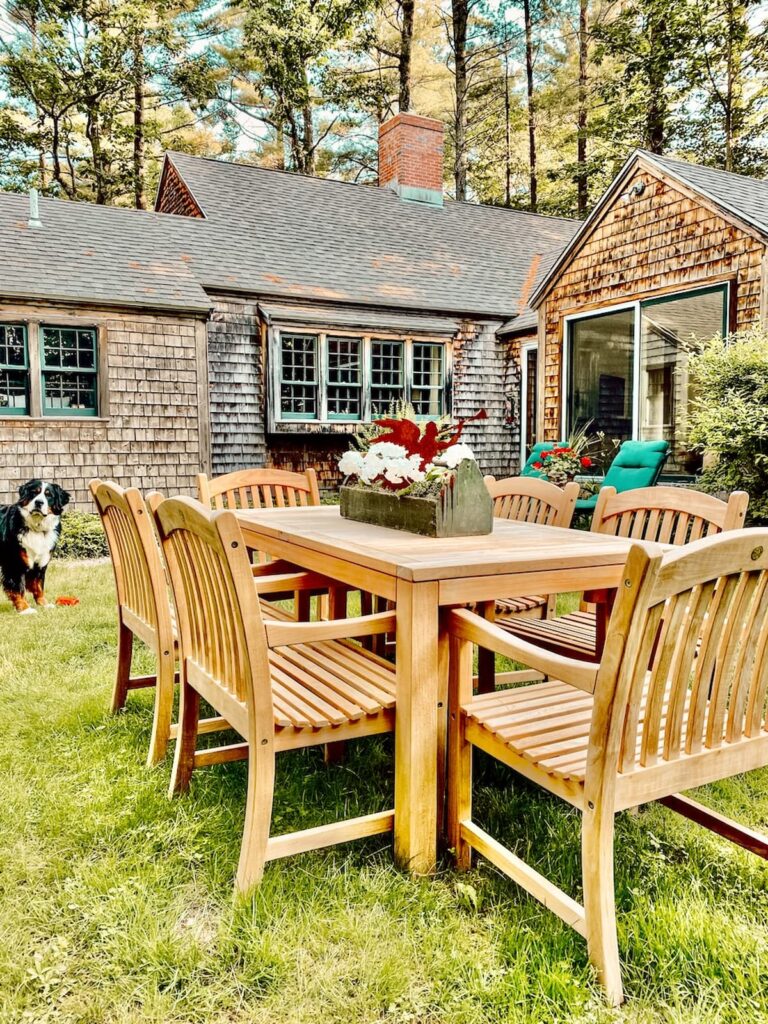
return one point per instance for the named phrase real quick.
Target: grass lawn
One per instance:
(116, 904)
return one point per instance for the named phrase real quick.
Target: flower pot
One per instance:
(463, 508)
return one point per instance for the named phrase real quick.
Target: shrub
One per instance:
(729, 417)
(82, 536)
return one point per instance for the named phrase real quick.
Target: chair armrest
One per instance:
(290, 582)
(285, 634)
(469, 626)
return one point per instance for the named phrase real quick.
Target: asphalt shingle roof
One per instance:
(274, 233)
(99, 254)
(747, 197)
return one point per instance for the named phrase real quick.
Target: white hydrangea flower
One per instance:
(452, 456)
(387, 450)
(351, 463)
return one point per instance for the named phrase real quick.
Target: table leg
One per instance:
(486, 660)
(416, 728)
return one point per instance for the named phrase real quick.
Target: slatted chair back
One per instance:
(140, 578)
(259, 488)
(682, 701)
(528, 499)
(667, 515)
(215, 596)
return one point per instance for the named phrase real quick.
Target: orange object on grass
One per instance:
(67, 601)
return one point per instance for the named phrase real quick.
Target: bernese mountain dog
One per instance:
(29, 531)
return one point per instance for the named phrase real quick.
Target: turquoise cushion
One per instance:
(638, 464)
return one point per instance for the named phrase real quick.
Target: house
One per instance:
(259, 317)
(671, 252)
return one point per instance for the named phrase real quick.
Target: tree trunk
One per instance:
(656, 118)
(531, 99)
(308, 139)
(507, 134)
(581, 136)
(460, 17)
(406, 46)
(138, 121)
(731, 73)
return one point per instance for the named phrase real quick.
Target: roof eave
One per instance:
(69, 300)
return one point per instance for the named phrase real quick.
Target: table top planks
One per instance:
(512, 548)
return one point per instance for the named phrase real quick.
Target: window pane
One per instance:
(667, 326)
(69, 392)
(428, 377)
(344, 378)
(13, 349)
(600, 374)
(13, 391)
(298, 376)
(69, 348)
(386, 375)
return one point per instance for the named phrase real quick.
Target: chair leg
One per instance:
(459, 781)
(258, 814)
(123, 670)
(600, 899)
(186, 740)
(161, 724)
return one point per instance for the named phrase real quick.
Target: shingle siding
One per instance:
(151, 436)
(236, 387)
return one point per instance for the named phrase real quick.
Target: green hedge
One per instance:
(82, 536)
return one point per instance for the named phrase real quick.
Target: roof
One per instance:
(94, 254)
(735, 194)
(358, 317)
(277, 234)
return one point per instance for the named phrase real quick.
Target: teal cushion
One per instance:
(638, 464)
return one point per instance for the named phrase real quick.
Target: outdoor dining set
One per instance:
(657, 684)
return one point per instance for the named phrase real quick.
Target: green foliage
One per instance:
(729, 418)
(82, 536)
(116, 903)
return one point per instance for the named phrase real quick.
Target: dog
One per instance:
(29, 531)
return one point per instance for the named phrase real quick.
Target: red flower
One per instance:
(538, 465)
(546, 455)
(427, 445)
(586, 462)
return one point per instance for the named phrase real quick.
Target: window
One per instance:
(14, 370)
(298, 377)
(626, 369)
(345, 378)
(69, 371)
(353, 378)
(387, 378)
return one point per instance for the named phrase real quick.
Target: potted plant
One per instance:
(417, 477)
(562, 463)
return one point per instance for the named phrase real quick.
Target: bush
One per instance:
(82, 536)
(730, 415)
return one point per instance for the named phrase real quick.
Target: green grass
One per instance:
(116, 905)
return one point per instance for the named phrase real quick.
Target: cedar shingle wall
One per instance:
(661, 239)
(174, 196)
(481, 379)
(149, 440)
(236, 387)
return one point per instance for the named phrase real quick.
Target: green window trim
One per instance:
(304, 388)
(337, 390)
(73, 375)
(10, 369)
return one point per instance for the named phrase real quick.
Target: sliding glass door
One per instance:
(626, 371)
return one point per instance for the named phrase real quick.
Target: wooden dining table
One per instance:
(422, 575)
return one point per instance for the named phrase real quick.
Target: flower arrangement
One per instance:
(561, 463)
(404, 457)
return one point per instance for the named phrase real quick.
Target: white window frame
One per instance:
(619, 307)
(366, 337)
(525, 350)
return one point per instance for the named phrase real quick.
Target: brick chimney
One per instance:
(411, 158)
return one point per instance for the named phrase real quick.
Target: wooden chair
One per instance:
(259, 488)
(280, 685)
(678, 700)
(143, 605)
(665, 515)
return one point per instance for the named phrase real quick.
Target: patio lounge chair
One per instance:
(280, 685)
(666, 515)
(637, 464)
(677, 701)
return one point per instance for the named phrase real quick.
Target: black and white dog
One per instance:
(29, 531)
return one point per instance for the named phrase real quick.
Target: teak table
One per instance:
(423, 574)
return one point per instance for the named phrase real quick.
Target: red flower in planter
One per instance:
(586, 462)
(538, 465)
(427, 445)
